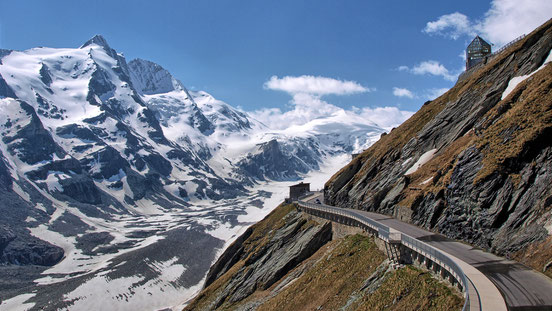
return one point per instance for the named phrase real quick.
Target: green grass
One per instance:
(410, 288)
(333, 279)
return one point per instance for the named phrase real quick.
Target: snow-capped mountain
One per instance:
(249, 150)
(116, 181)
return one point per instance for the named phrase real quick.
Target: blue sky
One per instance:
(231, 49)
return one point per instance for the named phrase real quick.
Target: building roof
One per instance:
(478, 41)
(300, 184)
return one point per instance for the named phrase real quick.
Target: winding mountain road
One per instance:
(522, 288)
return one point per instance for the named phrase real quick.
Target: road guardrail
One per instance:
(384, 232)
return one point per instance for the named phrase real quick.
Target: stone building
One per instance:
(298, 190)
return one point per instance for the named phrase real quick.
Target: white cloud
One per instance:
(452, 25)
(386, 117)
(503, 22)
(508, 19)
(434, 93)
(429, 94)
(308, 109)
(462, 55)
(431, 67)
(307, 105)
(401, 92)
(314, 85)
(305, 108)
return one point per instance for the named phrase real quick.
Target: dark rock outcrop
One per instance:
(5, 89)
(272, 161)
(5, 175)
(33, 252)
(231, 255)
(265, 257)
(45, 75)
(32, 143)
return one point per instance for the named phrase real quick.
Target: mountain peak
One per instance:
(99, 40)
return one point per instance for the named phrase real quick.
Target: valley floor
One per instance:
(157, 260)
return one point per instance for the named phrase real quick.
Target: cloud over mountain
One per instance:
(315, 85)
(307, 104)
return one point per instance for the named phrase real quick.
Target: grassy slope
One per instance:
(332, 278)
(410, 288)
(339, 279)
(538, 256)
(330, 282)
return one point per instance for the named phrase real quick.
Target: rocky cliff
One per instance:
(474, 164)
(291, 261)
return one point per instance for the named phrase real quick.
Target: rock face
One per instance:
(473, 164)
(272, 161)
(292, 241)
(17, 245)
(150, 78)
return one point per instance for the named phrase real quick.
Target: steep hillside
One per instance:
(289, 261)
(474, 164)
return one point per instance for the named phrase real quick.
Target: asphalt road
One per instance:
(522, 288)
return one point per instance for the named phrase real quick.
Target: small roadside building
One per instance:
(298, 190)
(477, 51)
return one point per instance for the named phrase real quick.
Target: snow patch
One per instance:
(118, 176)
(40, 206)
(421, 161)
(426, 181)
(549, 228)
(24, 195)
(18, 303)
(517, 80)
(52, 181)
(105, 293)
